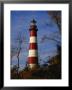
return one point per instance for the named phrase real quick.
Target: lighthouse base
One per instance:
(32, 66)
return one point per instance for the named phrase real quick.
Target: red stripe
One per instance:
(32, 60)
(33, 46)
(33, 33)
(33, 27)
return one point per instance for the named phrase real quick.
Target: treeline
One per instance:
(52, 70)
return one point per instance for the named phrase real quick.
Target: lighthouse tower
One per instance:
(33, 48)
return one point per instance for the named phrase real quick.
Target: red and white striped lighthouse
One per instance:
(33, 48)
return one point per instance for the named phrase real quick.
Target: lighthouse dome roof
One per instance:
(33, 21)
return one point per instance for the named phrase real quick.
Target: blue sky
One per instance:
(20, 22)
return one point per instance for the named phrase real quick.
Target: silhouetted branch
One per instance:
(56, 16)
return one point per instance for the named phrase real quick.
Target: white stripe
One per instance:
(32, 66)
(33, 53)
(33, 39)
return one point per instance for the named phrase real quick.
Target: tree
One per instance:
(14, 71)
(56, 16)
(55, 37)
(17, 47)
(19, 41)
(13, 52)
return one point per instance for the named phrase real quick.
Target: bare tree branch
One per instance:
(16, 50)
(56, 16)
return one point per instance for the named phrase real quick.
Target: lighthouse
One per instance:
(33, 48)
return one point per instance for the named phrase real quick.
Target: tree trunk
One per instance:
(18, 67)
